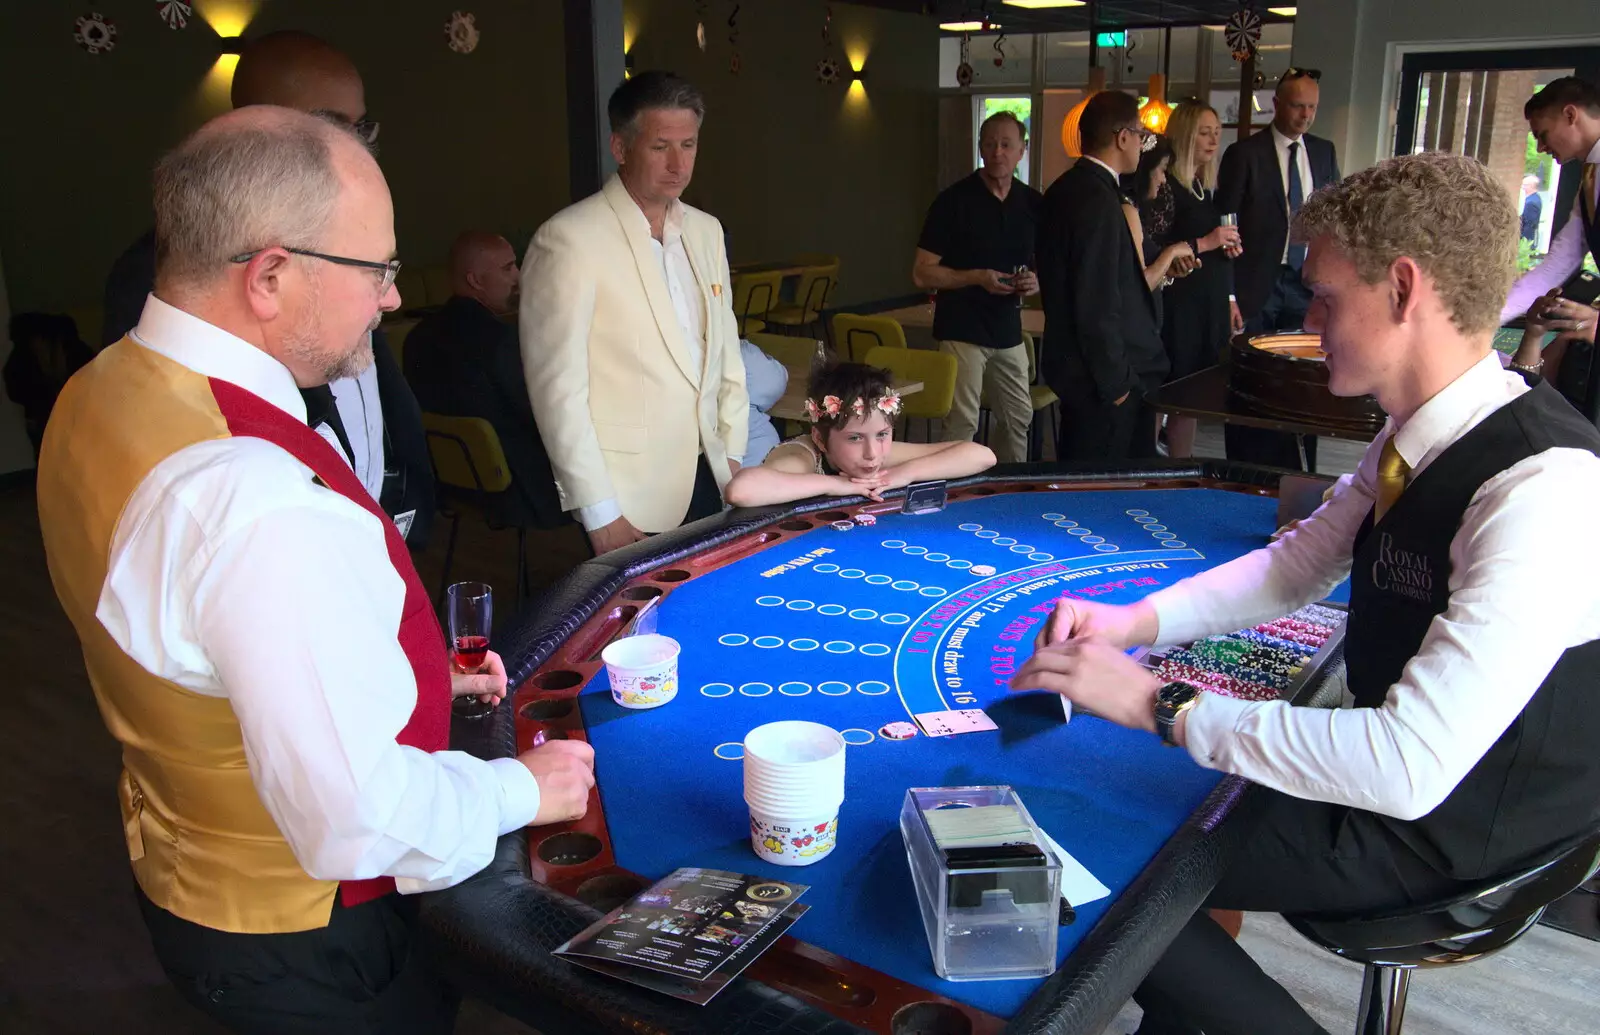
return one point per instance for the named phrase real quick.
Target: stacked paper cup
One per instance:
(794, 785)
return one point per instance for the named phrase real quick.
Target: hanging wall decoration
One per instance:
(999, 50)
(700, 25)
(1242, 32)
(827, 65)
(95, 33)
(461, 32)
(964, 71)
(734, 64)
(175, 13)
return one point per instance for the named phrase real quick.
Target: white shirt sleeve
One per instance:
(235, 577)
(1520, 595)
(1561, 262)
(599, 515)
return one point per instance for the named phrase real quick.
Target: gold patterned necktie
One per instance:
(1587, 184)
(1393, 471)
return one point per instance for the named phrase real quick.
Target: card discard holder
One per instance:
(924, 498)
(990, 910)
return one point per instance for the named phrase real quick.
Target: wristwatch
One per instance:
(1172, 700)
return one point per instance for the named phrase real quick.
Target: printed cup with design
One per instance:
(642, 670)
(794, 785)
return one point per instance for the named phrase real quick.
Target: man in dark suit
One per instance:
(1532, 208)
(1265, 178)
(373, 417)
(464, 361)
(1102, 350)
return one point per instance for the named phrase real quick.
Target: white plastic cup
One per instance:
(794, 763)
(795, 840)
(642, 670)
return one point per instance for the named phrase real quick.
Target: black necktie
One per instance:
(1297, 197)
(322, 409)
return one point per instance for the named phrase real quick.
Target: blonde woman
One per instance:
(1195, 321)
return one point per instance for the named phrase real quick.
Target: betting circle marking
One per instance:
(958, 564)
(1155, 528)
(733, 639)
(878, 580)
(1005, 541)
(1105, 548)
(873, 688)
(931, 591)
(755, 689)
(800, 605)
(845, 735)
(833, 688)
(832, 609)
(838, 647)
(969, 527)
(789, 689)
(936, 558)
(1053, 517)
(905, 585)
(1041, 557)
(895, 544)
(987, 533)
(1176, 544)
(720, 689)
(895, 619)
(1165, 535)
(1022, 548)
(769, 601)
(825, 568)
(1093, 540)
(874, 650)
(852, 573)
(1136, 513)
(863, 614)
(915, 551)
(768, 642)
(718, 751)
(804, 643)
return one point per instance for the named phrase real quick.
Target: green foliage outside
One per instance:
(1021, 107)
(1536, 164)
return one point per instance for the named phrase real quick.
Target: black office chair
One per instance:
(1460, 930)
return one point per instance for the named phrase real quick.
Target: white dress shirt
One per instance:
(1521, 593)
(362, 415)
(687, 303)
(1302, 169)
(233, 574)
(1561, 261)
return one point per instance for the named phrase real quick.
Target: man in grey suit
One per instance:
(1265, 178)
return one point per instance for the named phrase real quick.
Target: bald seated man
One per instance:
(464, 361)
(373, 418)
(253, 628)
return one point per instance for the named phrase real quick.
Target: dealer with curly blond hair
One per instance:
(1471, 645)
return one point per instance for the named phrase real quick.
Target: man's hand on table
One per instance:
(1121, 627)
(488, 684)
(614, 536)
(565, 772)
(1097, 677)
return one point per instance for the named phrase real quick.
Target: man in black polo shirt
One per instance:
(1473, 641)
(978, 232)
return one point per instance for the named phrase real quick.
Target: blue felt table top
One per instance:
(859, 628)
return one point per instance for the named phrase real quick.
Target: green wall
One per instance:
(475, 140)
(790, 165)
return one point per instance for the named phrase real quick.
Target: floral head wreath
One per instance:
(831, 406)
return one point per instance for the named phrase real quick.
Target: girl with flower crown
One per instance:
(851, 449)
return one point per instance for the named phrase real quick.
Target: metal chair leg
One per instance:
(1383, 1000)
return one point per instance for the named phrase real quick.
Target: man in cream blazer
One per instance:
(629, 341)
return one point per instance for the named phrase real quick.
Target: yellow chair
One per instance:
(935, 370)
(800, 355)
(413, 288)
(811, 299)
(856, 335)
(436, 279)
(396, 332)
(468, 465)
(754, 294)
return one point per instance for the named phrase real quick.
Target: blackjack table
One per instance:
(854, 614)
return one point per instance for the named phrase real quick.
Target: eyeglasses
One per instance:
(390, 268)
(366, 130)
(1314, 74)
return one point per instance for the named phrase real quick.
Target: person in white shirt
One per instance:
(766, 380)
(1564, 118)
(256, 636)
(629, 342)
(1471, 645)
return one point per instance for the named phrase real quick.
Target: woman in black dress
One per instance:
(1195, 324)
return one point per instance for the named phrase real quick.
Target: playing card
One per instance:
(948, 724)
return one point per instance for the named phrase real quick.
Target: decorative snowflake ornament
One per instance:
(461, 32)
(827, 71)
(95, 33)
(964, 75)
(175, 13)
(1243, 34)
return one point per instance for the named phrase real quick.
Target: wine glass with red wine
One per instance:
(469, 612)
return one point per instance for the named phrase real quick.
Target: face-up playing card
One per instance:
(948, 724)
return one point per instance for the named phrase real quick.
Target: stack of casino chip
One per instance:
(1259, 664)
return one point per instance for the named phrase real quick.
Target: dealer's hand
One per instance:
(1122, 627)
(488, 684)
(565, 772)
(1097, 677)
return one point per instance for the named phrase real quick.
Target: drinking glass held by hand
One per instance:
(469, 614)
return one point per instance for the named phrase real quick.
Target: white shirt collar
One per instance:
(1456, 409)
(1107, 168)
(1281, 139)
(671, 228)
(209, 350)
(1594, 154)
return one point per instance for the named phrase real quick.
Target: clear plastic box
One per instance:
(986, 919)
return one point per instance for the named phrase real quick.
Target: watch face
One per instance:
(1174, 695)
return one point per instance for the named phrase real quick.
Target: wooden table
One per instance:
(922, 316)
